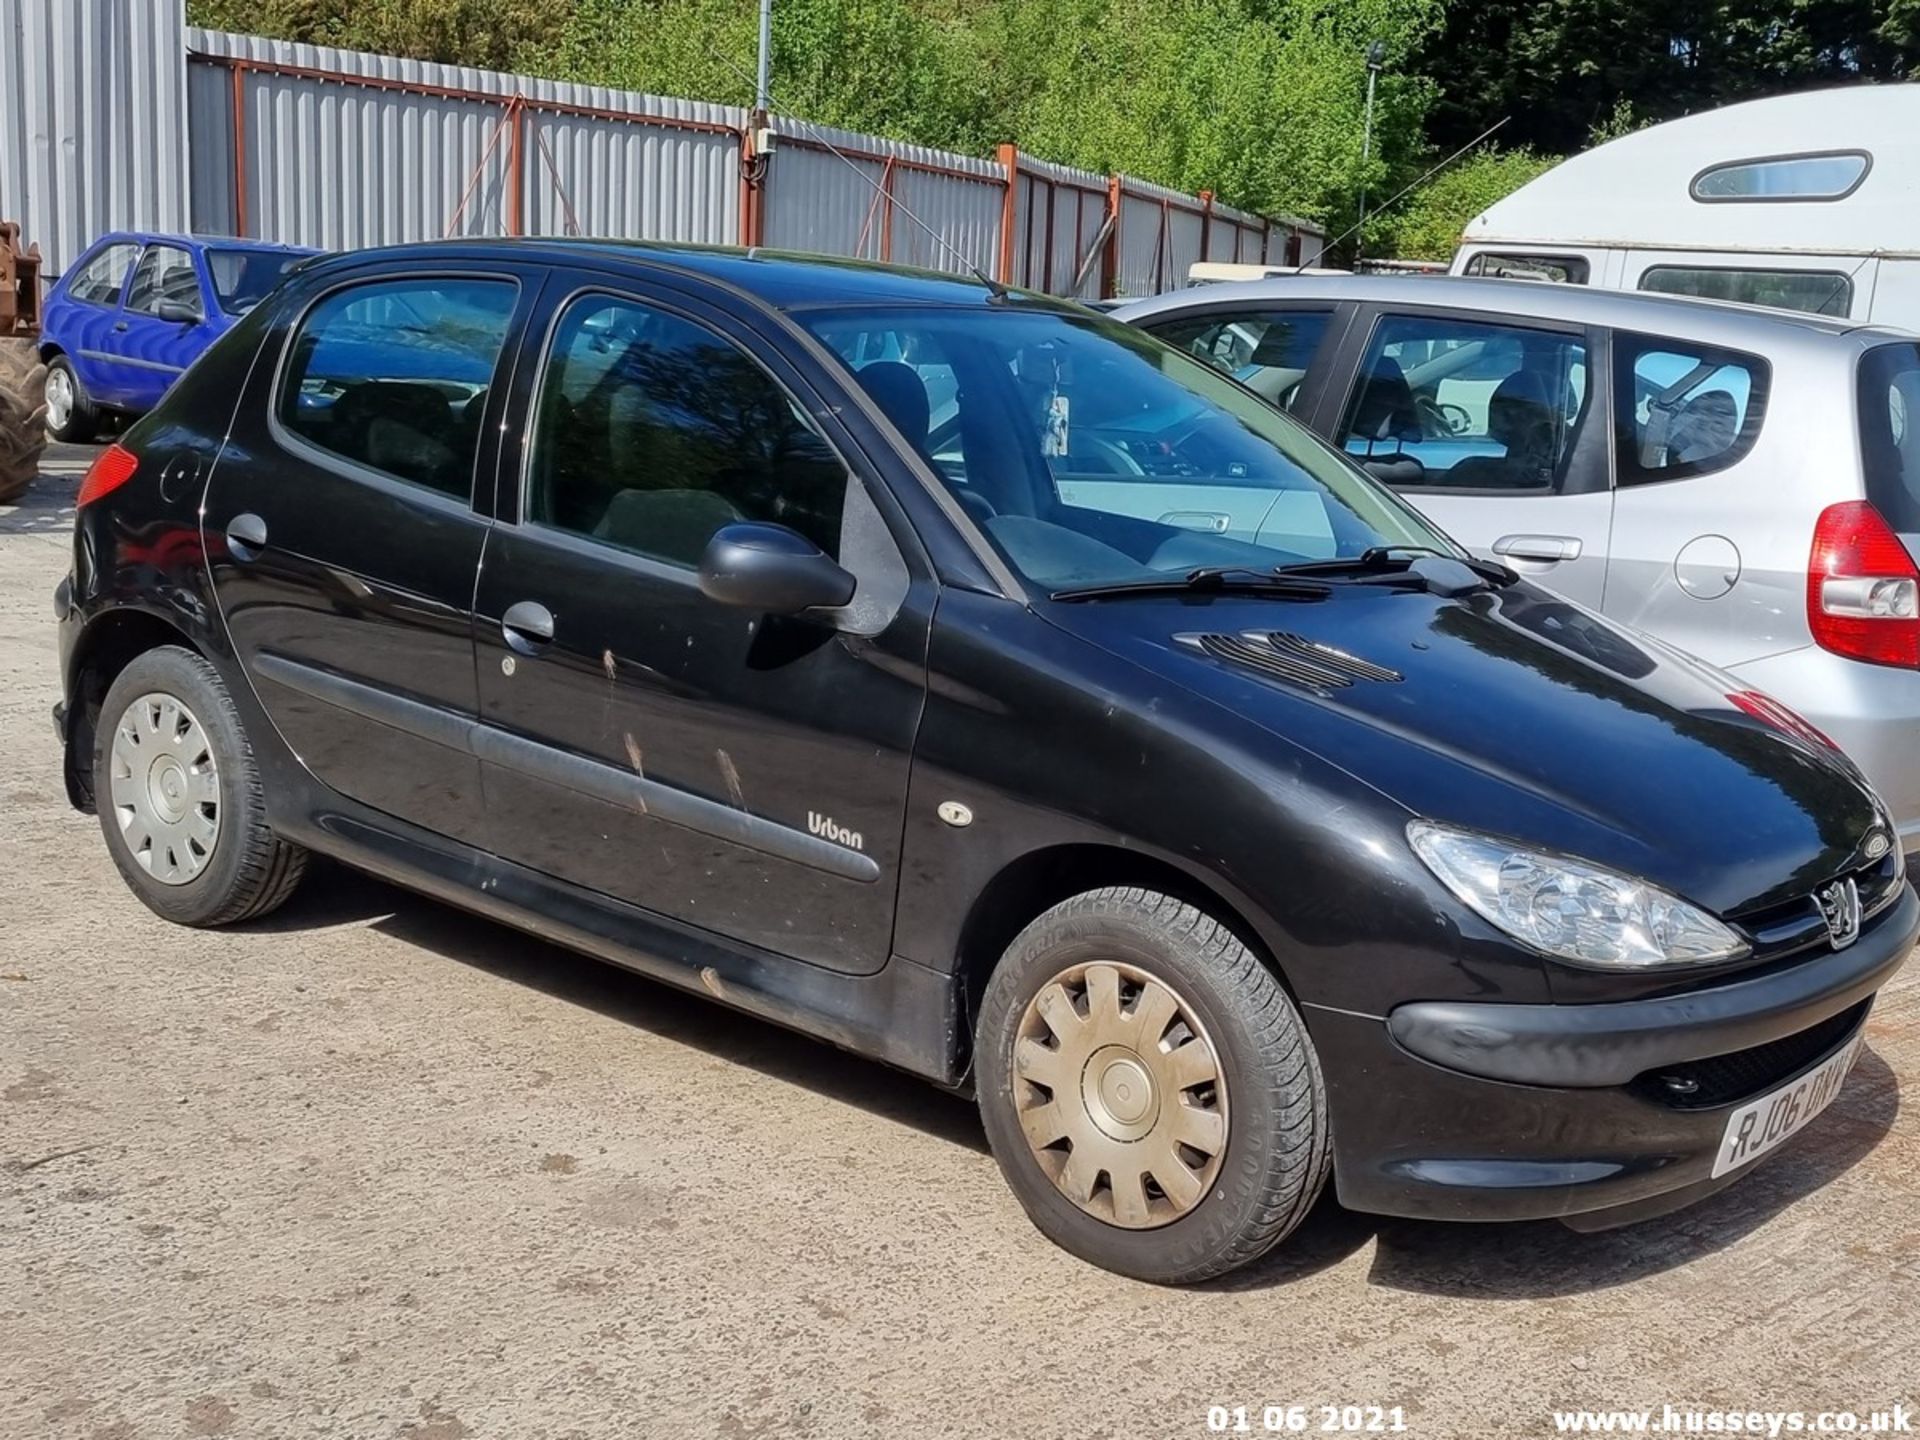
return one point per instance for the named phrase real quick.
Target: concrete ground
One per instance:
(374, 1168)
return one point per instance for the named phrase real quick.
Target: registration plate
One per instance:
(1754, 1129)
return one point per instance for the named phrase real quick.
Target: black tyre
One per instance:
(1148, 1088)
(23, 416)
(179, 796)
(71, 417)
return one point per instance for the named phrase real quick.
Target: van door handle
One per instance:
(246, 536)
(527, 627)
(1548, 549)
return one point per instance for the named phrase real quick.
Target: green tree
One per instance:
(1427, 225)
(1559, 68)
(496, 34)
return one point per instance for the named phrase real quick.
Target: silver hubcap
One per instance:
(1120, 1094)
(166, 790)
(59, 399)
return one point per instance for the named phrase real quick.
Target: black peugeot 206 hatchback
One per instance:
(988, 689)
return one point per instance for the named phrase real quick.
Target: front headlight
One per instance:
(1569, 909)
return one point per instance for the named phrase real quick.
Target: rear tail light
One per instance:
(112, 469)
(1863, 590)
(1770, 711)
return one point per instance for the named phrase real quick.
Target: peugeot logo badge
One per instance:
(1840, 908)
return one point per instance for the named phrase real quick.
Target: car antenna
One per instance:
(998, 288)
(1405, 191)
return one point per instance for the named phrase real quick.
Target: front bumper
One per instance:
(1524, 1112)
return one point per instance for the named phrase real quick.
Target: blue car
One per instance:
(136, 310)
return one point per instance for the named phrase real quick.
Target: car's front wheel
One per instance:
(1148, 1088)
(71, 417)
(179, 795)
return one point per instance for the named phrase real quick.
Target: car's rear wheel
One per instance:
(71, 417)
(179, 795)
(1148, 1088)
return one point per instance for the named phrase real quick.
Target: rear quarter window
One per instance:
(1889, 404)
(1681, 409)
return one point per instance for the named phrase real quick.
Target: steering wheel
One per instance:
(1451, 419)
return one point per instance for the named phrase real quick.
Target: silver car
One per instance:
(1742, 483)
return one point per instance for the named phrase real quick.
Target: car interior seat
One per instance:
(1706, 426)
(672, 525)
(400, 426)
(1520, 418)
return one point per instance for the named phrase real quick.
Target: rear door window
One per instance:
(393, 375)
(1683, 409)
(1465, 404)
(1889, 398)
(1814, 292)
(1269, 351)
(100, 280)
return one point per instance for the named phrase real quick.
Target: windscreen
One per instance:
(1890, 433)
(243, 278)
(1092, 454)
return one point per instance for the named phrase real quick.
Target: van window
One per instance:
(1683, 409)
(1268, 351)
(1828, 175)
(393, 375)
(655, 432)
(1816, 292)
(1560, 269)
(1444, 401)
(1890, 432)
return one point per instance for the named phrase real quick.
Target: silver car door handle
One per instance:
(1544, 548)
(527, 626)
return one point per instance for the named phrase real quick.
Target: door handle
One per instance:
(1548, 549)
(246, 536)
(527, 627)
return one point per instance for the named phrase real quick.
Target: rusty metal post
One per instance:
(239, 75)
(513, 203)
(1110, 259)
(1009, 211)
(1206, 224)
(886, 212)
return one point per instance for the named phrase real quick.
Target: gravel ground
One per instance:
(375, 1168)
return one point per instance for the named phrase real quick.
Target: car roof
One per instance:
(199, 242)
(785, 280)
(1713, 321)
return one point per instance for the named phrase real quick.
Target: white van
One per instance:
(1801, 202)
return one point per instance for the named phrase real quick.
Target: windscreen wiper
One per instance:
(1400, 560)
(1208, 580)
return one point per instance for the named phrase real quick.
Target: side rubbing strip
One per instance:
(569, 771)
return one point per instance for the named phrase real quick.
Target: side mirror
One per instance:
(771, 570)
(178, 312)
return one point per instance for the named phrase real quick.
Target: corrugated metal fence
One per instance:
(91, 93)
(343, 150)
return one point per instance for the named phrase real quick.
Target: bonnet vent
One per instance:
(1292, 658)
